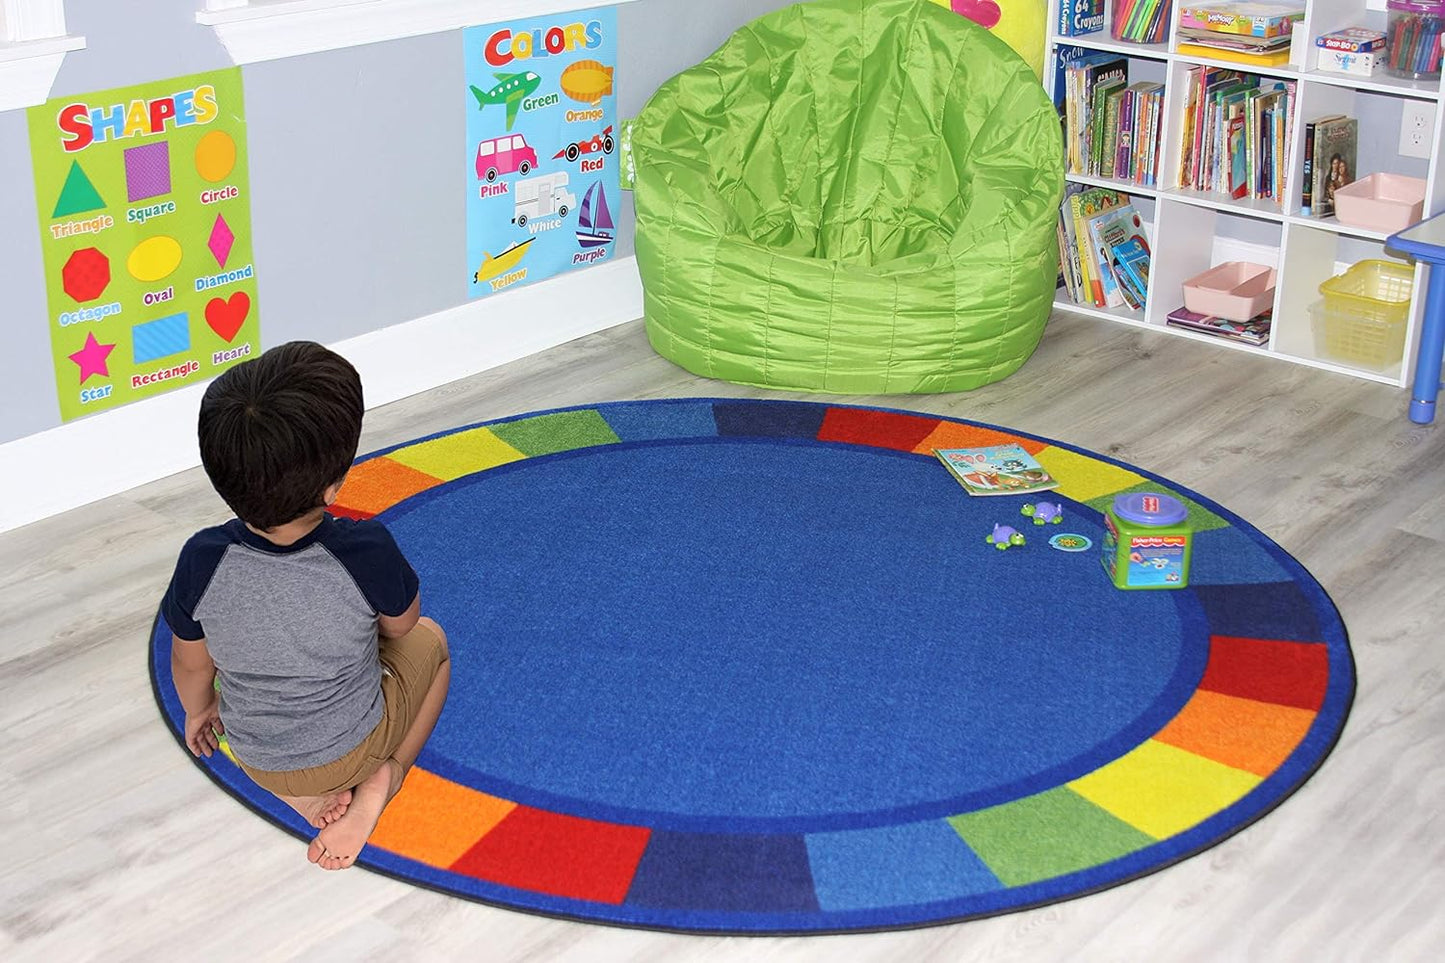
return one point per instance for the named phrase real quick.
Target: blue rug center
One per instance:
(725, 634)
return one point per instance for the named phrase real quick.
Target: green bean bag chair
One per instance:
(855, 196)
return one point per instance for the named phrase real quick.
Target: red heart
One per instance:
(226, 317)
(985, 13)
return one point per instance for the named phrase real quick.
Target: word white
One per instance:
(165, 374)
(227, 277)
(579, 116)
(95, 394)
(93, 226)
(139, 215)
(156, 297)
(231, 354)
(506, 279)
(536, 228)
(492, 190)
(222, 194)
(587, 257)
(97, 313)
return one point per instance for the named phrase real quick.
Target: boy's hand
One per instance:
(203, 729)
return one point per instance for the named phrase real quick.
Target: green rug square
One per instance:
(559, 431)
(1046, 835)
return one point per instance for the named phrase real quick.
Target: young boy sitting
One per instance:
(330, 681)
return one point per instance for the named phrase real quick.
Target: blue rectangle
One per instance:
(161, 337)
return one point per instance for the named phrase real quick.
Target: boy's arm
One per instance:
(395, 626)
(194, 674)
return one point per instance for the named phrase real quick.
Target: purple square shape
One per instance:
(147, 171)
(221, 240)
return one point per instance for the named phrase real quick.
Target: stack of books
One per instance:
(1111, 128)
(1103, 248)
(1240, 32)
(1234, 138)
(1254, 332)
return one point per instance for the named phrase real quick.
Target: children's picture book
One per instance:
(996, 470)
(1255, 331)
(1332, 166)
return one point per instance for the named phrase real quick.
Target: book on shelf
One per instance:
(1233, 137)
(1254, 332)
(1331, 147)
(1087, 81)
(996, 470)
(1080, 17)
(1131, 263)
(1111, 127)
(1276, 58)
(1103, 248)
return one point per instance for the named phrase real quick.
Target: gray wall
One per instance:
(357, 170)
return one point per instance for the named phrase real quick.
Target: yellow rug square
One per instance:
(452, 456)
(1081, 477)
(1163, 790)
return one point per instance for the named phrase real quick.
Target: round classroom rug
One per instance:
(754, 667)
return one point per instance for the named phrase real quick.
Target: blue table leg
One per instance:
(1432, 348)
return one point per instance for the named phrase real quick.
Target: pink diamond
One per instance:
(221, 240)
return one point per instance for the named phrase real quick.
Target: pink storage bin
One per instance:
(1234, 290)
(1381, 202)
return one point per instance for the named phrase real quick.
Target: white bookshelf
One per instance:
(1190, 232)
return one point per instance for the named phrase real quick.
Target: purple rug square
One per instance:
(147, 171)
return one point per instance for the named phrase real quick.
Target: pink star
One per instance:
(91, 358)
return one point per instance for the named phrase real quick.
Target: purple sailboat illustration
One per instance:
(594, 221)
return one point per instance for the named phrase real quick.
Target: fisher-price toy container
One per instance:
(1414, 38)
(1147, 541)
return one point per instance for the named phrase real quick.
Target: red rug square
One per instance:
(560, 855)
(881, 429)
(1285, 673)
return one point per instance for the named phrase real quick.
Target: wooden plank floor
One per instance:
(113, 846)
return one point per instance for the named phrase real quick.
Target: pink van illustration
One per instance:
(503, 155)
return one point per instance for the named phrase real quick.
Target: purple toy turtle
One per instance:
(1044, 512)
(1003, 536)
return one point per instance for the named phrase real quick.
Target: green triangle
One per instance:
(78, 195)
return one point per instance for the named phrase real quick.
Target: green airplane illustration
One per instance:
(511, 90)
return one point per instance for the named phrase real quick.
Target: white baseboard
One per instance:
(77, 463)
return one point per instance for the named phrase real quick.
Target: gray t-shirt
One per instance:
(293, 632)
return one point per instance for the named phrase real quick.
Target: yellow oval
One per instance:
(154, 258)
(215, 156)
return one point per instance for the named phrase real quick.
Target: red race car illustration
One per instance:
(600, 142)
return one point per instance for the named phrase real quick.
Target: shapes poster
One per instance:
(145, 236)
(542, 143)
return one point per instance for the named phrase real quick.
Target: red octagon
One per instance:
(86, 275)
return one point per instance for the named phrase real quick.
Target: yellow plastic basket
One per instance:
(1362, 319)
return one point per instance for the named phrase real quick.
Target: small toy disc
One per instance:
(1069, 542)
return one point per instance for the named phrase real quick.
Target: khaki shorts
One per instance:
(408, 666)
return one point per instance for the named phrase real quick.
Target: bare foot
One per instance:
(320, 811)
(339, 843)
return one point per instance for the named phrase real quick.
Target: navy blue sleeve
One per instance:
(370, 554)
(197, 563)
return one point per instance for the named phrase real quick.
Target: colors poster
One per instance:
(542, 147)
(145, 235)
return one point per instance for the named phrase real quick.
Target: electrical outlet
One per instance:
(1417, 129)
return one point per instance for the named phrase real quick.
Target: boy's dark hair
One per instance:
(276, 432)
